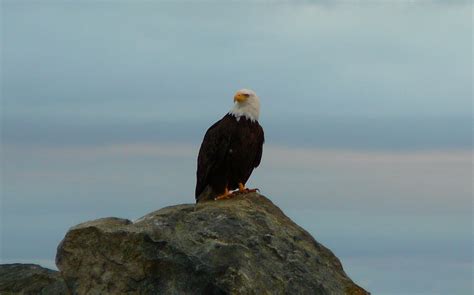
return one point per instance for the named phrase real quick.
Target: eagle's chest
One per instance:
(243, 137)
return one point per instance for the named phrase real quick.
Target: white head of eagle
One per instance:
(232, 147)
(247, 104)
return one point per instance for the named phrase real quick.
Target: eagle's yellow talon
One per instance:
(226, 195)
(244, 190)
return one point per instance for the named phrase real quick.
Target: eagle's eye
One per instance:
(246, 94)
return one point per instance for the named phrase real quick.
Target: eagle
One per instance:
(231, 149)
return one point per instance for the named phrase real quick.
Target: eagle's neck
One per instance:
(249, 109)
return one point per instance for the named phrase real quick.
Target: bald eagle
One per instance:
(230, 150)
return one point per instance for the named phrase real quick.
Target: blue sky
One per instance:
(367, 109)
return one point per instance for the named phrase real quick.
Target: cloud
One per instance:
(387, 180)
(325, 132)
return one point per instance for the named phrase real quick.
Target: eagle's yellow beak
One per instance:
(240, 97)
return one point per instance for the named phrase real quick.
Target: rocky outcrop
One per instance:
(243, 245)
(30, 279)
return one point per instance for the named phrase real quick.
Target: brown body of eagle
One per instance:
(230, 150)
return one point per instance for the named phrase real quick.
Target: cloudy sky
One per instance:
(367, 109)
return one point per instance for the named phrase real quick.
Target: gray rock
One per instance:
(243, 245)
(30, 279)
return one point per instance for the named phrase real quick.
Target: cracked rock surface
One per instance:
(243, 245)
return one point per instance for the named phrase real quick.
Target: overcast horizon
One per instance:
(367, 111)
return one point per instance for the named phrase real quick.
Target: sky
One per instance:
(366, 106)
